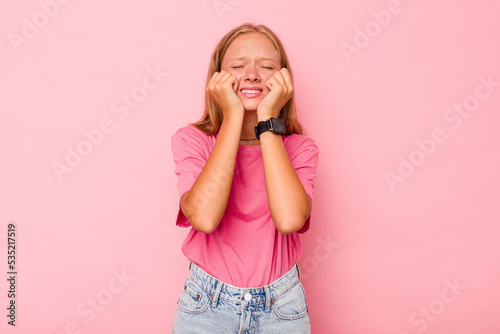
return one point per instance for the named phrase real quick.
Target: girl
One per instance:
(245, 179)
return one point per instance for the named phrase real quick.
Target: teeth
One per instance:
(250, 91)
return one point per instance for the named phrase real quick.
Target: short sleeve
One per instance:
(305, 160)
(190, 152)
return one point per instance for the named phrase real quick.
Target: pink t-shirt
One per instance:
(245, 250)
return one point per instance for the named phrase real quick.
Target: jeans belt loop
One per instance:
(268, 298)
(217, 293)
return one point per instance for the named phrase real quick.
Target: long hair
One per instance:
(212, 118)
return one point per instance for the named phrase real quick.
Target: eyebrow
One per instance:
(261, 58)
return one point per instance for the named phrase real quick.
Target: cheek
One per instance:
(230, 70)
(238, 77)
(267, 77)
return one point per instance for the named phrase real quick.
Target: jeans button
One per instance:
(248, 297)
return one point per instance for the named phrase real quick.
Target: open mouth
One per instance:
(251, 92)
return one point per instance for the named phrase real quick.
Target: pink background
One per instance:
(417, 255)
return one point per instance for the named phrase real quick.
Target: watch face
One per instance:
(278, 125)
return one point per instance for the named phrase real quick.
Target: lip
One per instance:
(251, 95)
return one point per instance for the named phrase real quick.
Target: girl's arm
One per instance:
(205, 204)
(289, 204)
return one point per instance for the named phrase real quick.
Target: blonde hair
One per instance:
(212, 118)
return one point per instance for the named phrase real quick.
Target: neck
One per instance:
(250, 121)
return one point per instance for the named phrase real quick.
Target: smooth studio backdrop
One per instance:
(402, 98)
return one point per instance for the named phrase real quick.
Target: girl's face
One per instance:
(252, 59)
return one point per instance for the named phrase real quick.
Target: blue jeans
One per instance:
(208, 305)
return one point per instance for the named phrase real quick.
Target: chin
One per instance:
(251, 105)
(250, 108)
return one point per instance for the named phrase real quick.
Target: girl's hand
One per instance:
(281, 90)
(222, 89)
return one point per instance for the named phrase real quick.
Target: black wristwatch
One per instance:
(276, 125)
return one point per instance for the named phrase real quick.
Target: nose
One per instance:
(251, 75)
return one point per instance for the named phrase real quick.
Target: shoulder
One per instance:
(191, 137)
(298, 143)
(191, 133)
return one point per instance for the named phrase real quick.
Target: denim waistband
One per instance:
(248, 296)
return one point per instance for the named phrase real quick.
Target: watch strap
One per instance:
(264, 126)
(261, 127)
